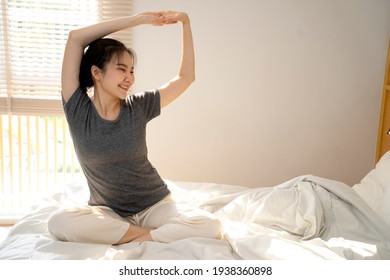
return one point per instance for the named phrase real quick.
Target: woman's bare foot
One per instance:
(146, 237)
(136, 234)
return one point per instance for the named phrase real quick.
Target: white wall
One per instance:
(284, 88)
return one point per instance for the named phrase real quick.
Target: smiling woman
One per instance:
(108, 67)
(129, 201)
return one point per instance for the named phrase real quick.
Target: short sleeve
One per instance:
(149, 101)
(77, 108)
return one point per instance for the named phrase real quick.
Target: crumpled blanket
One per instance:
(306, 218)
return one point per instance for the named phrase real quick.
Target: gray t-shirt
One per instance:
(113, 154)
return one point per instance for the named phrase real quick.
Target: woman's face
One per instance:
(118, 76)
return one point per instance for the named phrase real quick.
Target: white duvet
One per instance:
(305, 218)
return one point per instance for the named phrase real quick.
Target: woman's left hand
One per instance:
(171, 17)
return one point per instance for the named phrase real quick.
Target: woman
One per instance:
(128, 199)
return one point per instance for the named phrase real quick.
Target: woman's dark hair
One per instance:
(99, 53)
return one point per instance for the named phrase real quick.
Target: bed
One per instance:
(308, 217)
(305, 218)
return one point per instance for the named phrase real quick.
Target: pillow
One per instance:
(374, 188)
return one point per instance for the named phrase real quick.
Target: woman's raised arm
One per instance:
(186, 76)
(80, 38)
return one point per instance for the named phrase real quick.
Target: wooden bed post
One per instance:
(383, 141)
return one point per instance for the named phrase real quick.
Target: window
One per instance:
(36, 159)
(36, 153)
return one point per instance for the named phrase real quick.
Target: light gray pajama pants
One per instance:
(100, 224)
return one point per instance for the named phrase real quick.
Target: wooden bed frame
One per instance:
(383, 141)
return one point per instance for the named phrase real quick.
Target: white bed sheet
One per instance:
(307, 217)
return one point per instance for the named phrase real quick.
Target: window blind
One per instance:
(33, 36)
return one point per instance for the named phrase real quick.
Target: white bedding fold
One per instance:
(293, 214)
(305, 218)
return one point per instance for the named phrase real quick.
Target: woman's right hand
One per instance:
(162, 17)
(153, 18)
